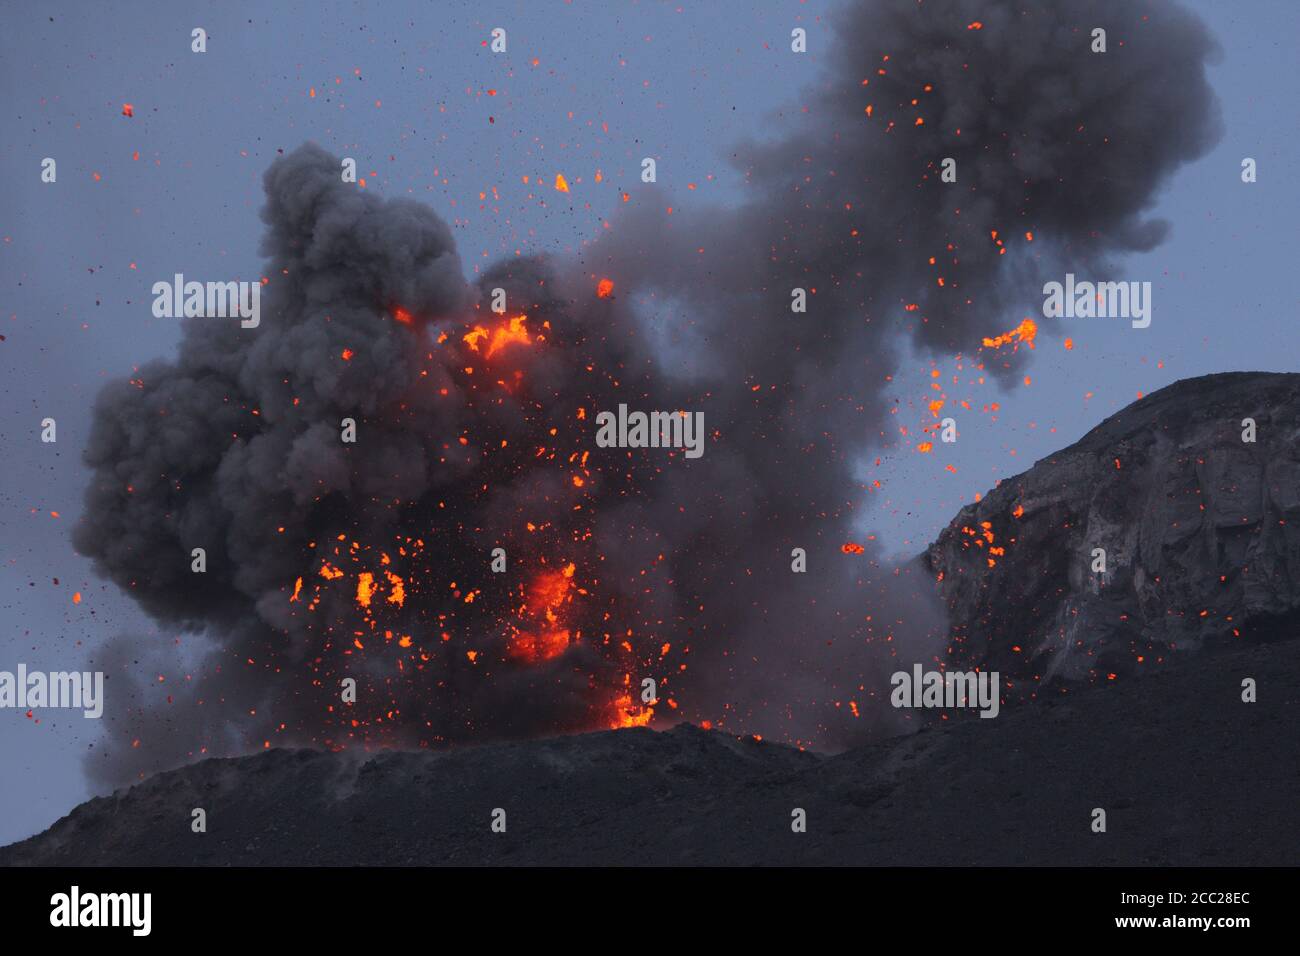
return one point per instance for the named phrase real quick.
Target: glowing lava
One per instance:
(543, 612)
(513, 331)
(1025, 332)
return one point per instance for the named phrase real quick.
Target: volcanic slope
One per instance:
(1187, 773)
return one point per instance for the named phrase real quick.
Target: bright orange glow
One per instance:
(544, 609)
(365, 588)
(508, 333)
(531, 648)
(604, 288)
(398, 593)
(1025, 332)
(628, 714)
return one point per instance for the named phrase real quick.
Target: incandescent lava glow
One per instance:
(543, 633)
(1025, 333)
(401, 596)
(604, 288)
(511, 332)
(628, 714)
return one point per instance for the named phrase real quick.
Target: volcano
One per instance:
(1141, 713)
(392, 509)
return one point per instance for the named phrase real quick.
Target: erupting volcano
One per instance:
(395, 480)
(405, 496)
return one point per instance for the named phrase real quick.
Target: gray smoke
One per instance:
(235, 446)
(1049, 138)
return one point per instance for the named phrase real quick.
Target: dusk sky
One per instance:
(410, 91)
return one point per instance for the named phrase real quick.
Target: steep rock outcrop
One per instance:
(1200, 529)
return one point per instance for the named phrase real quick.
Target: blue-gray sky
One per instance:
(406, 88)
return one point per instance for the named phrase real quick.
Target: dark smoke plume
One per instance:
(371, 560)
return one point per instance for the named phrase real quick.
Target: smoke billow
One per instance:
(372, 560)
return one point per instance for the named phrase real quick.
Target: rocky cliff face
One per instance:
(1200, 529)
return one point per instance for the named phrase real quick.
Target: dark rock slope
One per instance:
(1201, 533)
(1187, 774)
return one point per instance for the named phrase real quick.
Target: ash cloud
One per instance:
(1049, 139)
(234, 446)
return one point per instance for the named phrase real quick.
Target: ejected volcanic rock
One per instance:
(1200, 529)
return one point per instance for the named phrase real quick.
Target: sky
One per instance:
(413, 94)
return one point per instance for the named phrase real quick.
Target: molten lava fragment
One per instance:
(544, 633)
(1025, 332)
(628, 714)
(365, 588)
(513, 331)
